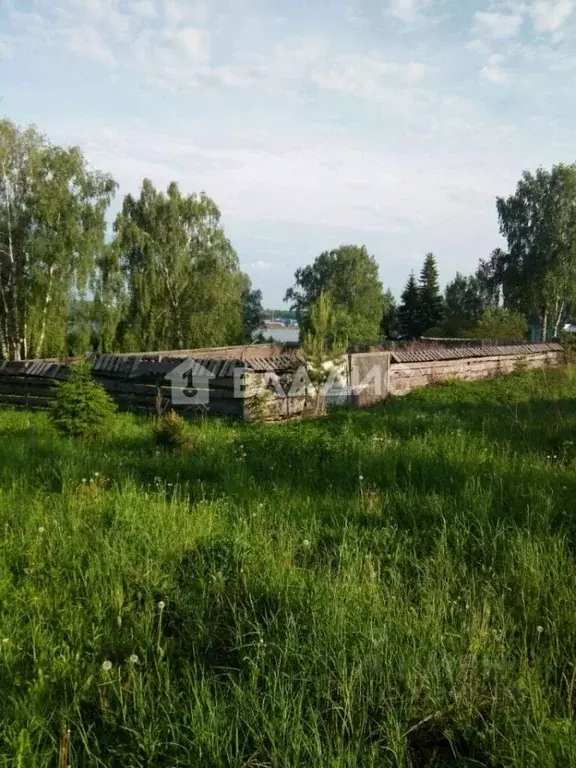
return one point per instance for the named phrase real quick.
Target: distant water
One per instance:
(280, 334)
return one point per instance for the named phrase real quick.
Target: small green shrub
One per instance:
(258, 406)
(170, 431)
(569, 345)
(82, 407)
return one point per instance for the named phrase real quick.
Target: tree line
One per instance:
(169, 277)
(530, 282)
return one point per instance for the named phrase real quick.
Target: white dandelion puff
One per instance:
(161, 605)
(106, 665)
(133, 659)
(41, 529)
(306, 543)
(539, 629)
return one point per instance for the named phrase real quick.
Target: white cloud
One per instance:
(179, 12)
(493, 71)
(329, 183)
(98, 9)
(192, 43)
(86, 41)
(366, 76)
(408, 10)
(497, 25)
(6, 51)
(144, 8)
(262, 265)
(550, 15)
(478, 46)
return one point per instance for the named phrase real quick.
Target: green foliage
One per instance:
(52, 226)
(538, 271)
(387, 587)
(258, 406)
(82, 408)
(422, 306)
(322, 341)
(500, 323)
(569, 345)
(431, 304)
(322, 346)
(389, 322)
(183, 282)
(464, 304)
(350, 276)
(253, 312)
(170, 431)
(409, 322)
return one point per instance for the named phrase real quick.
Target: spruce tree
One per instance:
(389, 322)
(409, 315)
(431, 302)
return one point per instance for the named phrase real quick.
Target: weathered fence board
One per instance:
(245, 384)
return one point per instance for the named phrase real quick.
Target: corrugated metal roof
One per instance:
(422, 355)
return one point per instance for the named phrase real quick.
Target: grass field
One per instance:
(388, 587)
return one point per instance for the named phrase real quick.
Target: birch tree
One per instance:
(182, 277)
(52, 225)
(538, 271)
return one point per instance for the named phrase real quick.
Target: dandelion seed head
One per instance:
(306, 543)
(41, 529)
(106, 665)
(133, 659)
(360, 477)
(161, 605)
(539, 629)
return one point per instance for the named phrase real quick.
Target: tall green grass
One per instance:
(388, 587)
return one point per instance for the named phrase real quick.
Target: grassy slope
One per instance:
(387, 587)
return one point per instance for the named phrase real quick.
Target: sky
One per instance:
(311, 123)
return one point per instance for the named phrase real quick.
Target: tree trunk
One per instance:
(47, 300)
(544, 331)
(10, 290)
(3, 347)
(558, 319)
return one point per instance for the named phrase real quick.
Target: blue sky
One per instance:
(312, 123)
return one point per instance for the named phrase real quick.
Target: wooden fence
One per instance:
(141, 383)
(405, 369)
(263, 386)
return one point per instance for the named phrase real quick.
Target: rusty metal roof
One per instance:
(423, 355)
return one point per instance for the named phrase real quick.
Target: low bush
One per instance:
(83, 407)
(170, 431)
